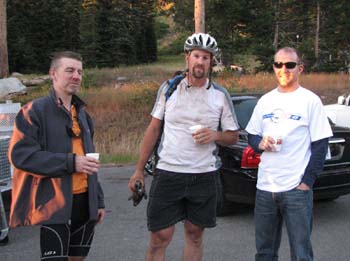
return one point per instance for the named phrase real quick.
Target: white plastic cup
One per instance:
(93, 155)
(195, 128)
(278, 143)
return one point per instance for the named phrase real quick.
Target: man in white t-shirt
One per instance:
(185, 183)
(290, 129)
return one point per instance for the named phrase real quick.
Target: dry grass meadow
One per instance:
(120, 100)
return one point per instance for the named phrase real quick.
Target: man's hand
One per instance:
(205, 135)
(101, 215)
(138, 175)
(303, 186)
(267, 144)
(138, 194)
(87, 165)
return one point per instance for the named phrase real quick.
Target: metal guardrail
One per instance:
(5, 168)
(8, 112)
(4, 227)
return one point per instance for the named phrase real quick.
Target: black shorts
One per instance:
(59, 241)
(182, 196)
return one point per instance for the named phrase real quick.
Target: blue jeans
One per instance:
(295, 208)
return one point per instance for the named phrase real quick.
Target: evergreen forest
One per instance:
(111, 33)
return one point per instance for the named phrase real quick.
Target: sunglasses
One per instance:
(289, 65)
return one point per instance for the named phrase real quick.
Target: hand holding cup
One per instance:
(88, 164)
(278, 143)
(93, 155)
(194, 130)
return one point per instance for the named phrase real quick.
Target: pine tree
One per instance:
(4, 66)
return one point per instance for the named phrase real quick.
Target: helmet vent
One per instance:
(201, 41)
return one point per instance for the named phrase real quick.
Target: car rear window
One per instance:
(244, 107)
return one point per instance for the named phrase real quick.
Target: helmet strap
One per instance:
(210, 71)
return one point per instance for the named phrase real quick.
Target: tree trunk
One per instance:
(317, 36)
(199, 16)
(4, 66)
(275, 38)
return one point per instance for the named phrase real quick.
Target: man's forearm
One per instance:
(315, 165)
(147, 146)
(227, 137)
(254, 141)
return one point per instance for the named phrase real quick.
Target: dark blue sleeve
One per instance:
(254, 141)
(318, 155)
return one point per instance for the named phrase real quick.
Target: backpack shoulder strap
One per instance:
(172, 85)
(153, 160)
(215, 85)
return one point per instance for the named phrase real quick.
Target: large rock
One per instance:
(36, 81)
(11, 86)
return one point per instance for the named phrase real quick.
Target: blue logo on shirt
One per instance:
(278, 115)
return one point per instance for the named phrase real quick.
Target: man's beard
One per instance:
(74, 89)
(198, 74)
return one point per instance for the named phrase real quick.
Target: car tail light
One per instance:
(250, 159)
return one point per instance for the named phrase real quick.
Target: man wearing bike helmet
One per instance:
(184, 187)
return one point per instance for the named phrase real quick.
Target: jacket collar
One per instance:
(76, 101)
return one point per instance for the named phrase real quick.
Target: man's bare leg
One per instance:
(159, 241)
(194, 242)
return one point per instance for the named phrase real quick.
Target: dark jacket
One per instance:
(41, 153)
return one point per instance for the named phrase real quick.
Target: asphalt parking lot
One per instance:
(123, 235)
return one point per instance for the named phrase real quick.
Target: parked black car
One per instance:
(240, 162)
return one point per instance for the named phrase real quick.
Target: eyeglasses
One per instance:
(289, 65)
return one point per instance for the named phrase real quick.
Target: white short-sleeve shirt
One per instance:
(188, 106)
(297, 117)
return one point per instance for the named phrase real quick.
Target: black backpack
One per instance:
(153, 159)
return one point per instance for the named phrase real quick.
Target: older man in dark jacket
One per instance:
(54, 184)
